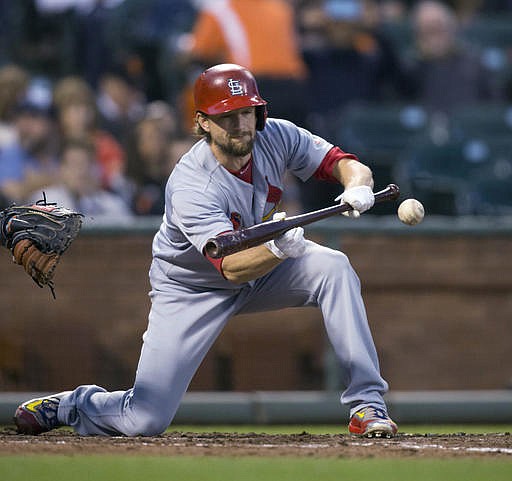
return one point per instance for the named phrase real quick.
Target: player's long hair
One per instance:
(200, 132)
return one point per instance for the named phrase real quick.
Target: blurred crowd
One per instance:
(96, 104)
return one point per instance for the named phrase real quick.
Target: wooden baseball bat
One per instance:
(238, 240)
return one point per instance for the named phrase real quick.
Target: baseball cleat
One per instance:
(372, 422)
(37, 415)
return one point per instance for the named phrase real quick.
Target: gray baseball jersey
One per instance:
(203, 199)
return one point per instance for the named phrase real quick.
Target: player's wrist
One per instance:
(272, 247)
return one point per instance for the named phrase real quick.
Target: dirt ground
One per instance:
(252, 444)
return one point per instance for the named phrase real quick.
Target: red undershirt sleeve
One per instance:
(324, 171)
(217, 263)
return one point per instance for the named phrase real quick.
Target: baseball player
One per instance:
(232, 178)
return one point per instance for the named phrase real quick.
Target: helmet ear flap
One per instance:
(261, 116)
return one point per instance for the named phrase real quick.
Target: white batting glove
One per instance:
(360, 198)
(289, 244)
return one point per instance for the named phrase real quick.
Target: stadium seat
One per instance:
(486, 122)
(378, 134)
(400, 34)
(382, 129)
(491, 184)
(492, 36)
(490, 31)
(440, 175)
(491, 196)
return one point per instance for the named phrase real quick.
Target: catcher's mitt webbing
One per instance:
(37, 265)
(37, 236)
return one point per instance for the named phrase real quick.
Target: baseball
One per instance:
(411, 212)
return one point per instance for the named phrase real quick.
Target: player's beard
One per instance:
(238, 146)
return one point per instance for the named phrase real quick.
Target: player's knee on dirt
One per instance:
(147, 423)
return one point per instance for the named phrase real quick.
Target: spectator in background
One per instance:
(38, 38)
(468, 11)
(96, 40)
(14, 81)
(393, 11)
(166, 116)
(154, 150)
(148, 167)
(260, 35)
(354, 64)
(310, 23)
(3, 202)
(77, 185)
(120, 100)
(443, 71)
(177, 146)
(78, 118)
(150, 29)
(31, 162)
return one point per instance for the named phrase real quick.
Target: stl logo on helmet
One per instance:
(235, 87)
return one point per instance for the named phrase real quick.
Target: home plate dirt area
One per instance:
(252, 444)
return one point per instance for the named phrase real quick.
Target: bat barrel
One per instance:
(231, 242)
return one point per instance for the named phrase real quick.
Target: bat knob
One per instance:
(212, 248)
(394, 191)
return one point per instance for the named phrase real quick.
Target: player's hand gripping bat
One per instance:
(235, 241)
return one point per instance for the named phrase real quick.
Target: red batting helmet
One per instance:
(227, 87)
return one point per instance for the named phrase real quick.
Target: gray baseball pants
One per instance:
(184, 322)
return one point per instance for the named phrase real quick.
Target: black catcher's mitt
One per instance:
(37, 235)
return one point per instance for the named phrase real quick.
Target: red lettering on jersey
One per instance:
(274, 193)
(236, 220)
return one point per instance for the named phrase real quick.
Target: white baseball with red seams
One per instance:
(411, 212)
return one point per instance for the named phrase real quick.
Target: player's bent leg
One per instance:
(178, 337)
(43, 414)
(324, 277)
(339, 297)
(91, 410)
